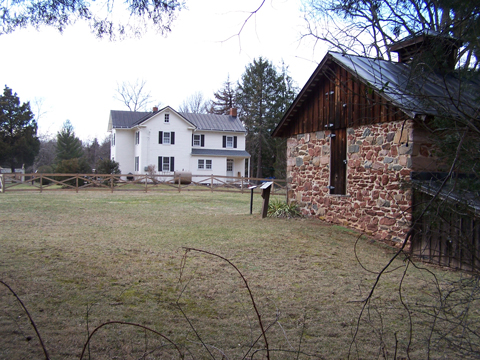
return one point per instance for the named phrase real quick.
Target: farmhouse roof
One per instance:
(205, 122)
(414, 92)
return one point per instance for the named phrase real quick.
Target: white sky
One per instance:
(75, 75)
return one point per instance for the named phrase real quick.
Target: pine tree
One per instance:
(262, 97)
(224, 99)
(19, 143)
(68, 145)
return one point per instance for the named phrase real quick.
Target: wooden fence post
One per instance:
(2, 183)
(111, 183)
(76, 183)
(211, 183)
(41, 182)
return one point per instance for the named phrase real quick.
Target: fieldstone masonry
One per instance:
(378, 199)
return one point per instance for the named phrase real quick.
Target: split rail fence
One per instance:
(127, 182)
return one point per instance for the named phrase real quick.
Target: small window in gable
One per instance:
(167, 118)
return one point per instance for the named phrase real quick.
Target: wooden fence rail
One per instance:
(128, 182)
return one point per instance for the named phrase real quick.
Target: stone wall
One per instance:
(378, 199)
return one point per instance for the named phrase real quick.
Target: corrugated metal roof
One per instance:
(415, 92)
(206, 122)
(220, 152)
(215, 122)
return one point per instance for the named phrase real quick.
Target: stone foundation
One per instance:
(378, 199)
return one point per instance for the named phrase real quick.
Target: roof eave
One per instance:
(300, 97)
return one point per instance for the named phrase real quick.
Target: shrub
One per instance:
(73, 166)
(277, 208)
(45, 169)
(107, 166)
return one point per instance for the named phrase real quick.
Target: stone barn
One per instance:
(356, 136)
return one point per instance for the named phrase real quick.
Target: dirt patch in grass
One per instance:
(80, 260)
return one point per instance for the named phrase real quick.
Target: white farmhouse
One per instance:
(202, 144)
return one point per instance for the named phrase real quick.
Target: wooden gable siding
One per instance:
(340, 99)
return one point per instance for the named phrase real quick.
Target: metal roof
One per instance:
(205, 122)
(215, 122)
(220, 152)
(414, 92)
(125, 119)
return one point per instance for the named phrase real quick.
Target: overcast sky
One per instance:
(75, 75)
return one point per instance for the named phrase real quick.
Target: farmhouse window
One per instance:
(166, 163)
(137, 137)
(198, 140)
(113, 139)
(338, 165)
(165, 137)
(167, 118)
(204, 164)
(229, 141)
(137, 163)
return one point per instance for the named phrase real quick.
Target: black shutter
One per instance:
(224, 141)
(202, 142)
(172, 138)
(160, 137)
(192, 139)
(160, 164)
(235, 142)
(172, 164)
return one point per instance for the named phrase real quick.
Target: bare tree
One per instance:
(133, 95)
(195, 104)
(369, 27)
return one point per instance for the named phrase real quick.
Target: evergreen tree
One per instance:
(107, 166)
(19, 143)
(68, 145)
(91, 151)
(224, 99)
(262, 96)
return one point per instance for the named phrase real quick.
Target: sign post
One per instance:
(251, 197)
(266, 187)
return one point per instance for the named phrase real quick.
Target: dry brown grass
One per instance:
(101, 257)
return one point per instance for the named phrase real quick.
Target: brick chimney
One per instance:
(155, 109)
(233, 112)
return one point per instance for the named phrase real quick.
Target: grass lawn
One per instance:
(80, 260)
